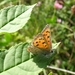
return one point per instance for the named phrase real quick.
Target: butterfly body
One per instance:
(41, 44)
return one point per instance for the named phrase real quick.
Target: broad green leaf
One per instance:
(2, 56)
(14, 18)
(18, 62)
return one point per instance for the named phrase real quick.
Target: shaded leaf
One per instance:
(18, 62)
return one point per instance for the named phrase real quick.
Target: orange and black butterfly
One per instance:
(42, 43)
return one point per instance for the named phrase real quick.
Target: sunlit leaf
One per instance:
(14, 18)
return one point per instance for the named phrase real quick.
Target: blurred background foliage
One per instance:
(62, 24)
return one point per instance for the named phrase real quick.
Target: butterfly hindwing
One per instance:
(36, 50)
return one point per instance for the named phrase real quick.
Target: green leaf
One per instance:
(2, 56)
(18, 62)
(50, 73)
(4, 1)
(55, 45)
(14, 18)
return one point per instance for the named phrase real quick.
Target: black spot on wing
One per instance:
(37, 45)
(36, 42)
(47, 31)
(47, 36)
(43, 42)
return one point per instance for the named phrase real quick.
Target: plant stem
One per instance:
(61, 70)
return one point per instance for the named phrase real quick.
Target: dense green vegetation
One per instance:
(62, 25)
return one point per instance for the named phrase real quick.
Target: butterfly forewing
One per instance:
(40, 42)
(47, 35)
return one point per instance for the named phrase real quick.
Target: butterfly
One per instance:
(42, 43)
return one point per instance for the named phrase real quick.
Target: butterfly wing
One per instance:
(39, 45)
(36, 50)
(33, 49)
(47, 35)
(40, 42)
